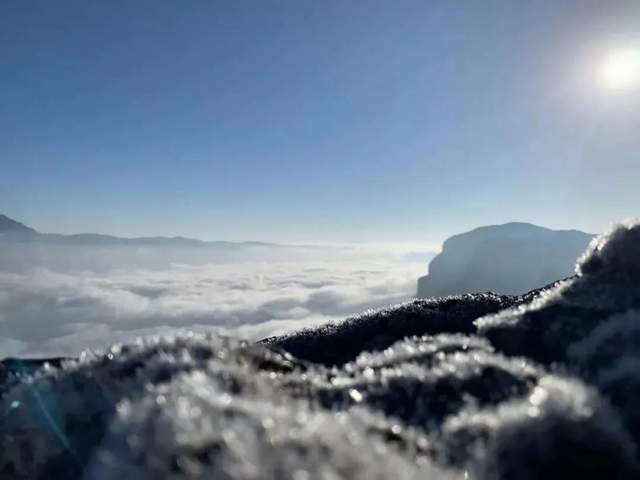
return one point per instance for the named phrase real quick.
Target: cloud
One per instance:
(44, 312)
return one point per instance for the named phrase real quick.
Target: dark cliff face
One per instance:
(508, 259)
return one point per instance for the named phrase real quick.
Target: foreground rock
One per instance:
(547, 388)
(337, 344)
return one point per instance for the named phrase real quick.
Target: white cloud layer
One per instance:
(46, 313)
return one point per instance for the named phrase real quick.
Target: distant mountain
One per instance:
(9, 227)
(15, 231)
(23, 248)
(510, 259)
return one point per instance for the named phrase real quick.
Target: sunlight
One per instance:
(621, 69)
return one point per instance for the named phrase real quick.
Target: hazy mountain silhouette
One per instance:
(23, 248)
(13, 230)
(511, 259)
(9, 227)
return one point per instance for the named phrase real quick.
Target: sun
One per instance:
(621, 69)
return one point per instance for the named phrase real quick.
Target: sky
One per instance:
(305, 121)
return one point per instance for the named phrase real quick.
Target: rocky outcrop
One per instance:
(540, 386)
(509, 259)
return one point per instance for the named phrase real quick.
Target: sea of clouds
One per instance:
(48, 313)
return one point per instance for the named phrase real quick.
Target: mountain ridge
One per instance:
(14, 230)
(509, 258)
(10, 226)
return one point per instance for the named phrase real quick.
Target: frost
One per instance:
(608, 283)
(562, 429)
(378, 329)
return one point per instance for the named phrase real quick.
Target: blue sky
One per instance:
(331, 121)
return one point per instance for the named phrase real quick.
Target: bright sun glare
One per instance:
(621, 69)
